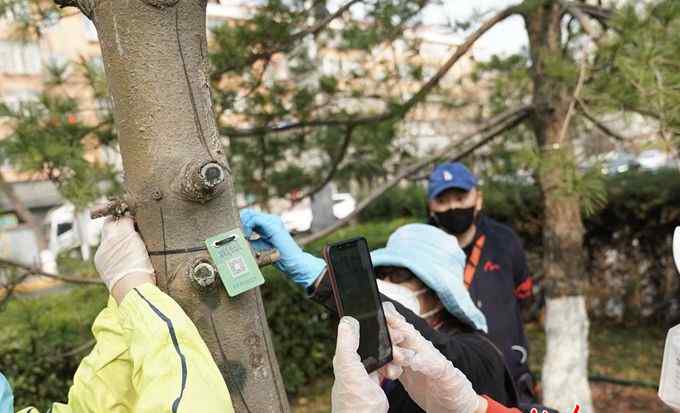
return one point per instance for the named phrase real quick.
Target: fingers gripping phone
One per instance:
(356, 295)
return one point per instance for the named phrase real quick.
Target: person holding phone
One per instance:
(469, 350)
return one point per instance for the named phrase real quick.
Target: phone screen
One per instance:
(357, 291)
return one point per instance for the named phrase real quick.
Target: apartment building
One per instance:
(24, 63)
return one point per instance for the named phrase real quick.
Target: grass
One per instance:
(624, 353)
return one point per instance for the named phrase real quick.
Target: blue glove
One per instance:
(6, 397)
(299, 266)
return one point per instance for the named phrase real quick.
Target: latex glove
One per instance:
(122, 254)
(354, 390)
(676, 248)
(301, 267)
(429, 378)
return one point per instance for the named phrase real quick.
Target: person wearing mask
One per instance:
(148, 355)
(496, 272)
(432, 381)
(463, 343)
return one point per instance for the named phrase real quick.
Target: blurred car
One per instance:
(299, 218)
(63, 234)
(619, 162)
(653, 159)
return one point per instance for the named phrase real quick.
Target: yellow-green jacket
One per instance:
(148, 357)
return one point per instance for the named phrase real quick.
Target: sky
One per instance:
(506, 37)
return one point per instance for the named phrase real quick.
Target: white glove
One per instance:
(121, 252)
(429, 378)
(676, 247)
(354, 391)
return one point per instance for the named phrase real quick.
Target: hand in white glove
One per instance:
(354, 391)
(429, 378)
(121, 259)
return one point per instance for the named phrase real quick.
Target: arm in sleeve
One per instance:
(172, 369)
(523, 282)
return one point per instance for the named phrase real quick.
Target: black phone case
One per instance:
(371, 367)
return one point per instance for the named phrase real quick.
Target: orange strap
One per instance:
(473, 260)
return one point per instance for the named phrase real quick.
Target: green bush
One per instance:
(642, 202)
(398, 202)
(35, 337)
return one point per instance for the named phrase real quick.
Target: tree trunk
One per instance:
(565, 379)
(178, 180)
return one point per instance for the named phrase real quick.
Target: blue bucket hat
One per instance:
(6, 397)
(436, 259)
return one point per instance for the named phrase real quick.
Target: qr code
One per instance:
(237, 266)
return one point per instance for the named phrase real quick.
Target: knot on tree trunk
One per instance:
(200, 181)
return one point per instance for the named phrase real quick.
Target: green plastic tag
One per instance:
(235, 262)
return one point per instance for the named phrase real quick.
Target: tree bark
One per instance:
(178, 179)
(565, 365)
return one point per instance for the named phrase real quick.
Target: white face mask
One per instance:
(406, 297)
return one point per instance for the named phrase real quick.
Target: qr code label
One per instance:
(237, 267)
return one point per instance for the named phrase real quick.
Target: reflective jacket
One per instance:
(148, 357)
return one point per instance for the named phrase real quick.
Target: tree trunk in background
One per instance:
(178, 180)
(322, 208)
(23, 213)
(565, 378)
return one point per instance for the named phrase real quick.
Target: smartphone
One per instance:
(356, 295)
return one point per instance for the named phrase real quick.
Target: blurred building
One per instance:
(25, 60)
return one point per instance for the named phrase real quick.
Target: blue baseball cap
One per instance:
(450, 175)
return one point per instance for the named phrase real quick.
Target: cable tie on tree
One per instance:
(178, 251)
(193, 249)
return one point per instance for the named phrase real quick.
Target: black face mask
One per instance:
(455, 221)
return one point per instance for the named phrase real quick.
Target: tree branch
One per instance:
(599, 125)
(334, 166)
(488, 131)
(287, 44)
(575, 97)
(85, 6)
(601, 14)
(576, 11)
(7, 290)
(318, 27)
(37, 271)
(401, 110)
(22, 212)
